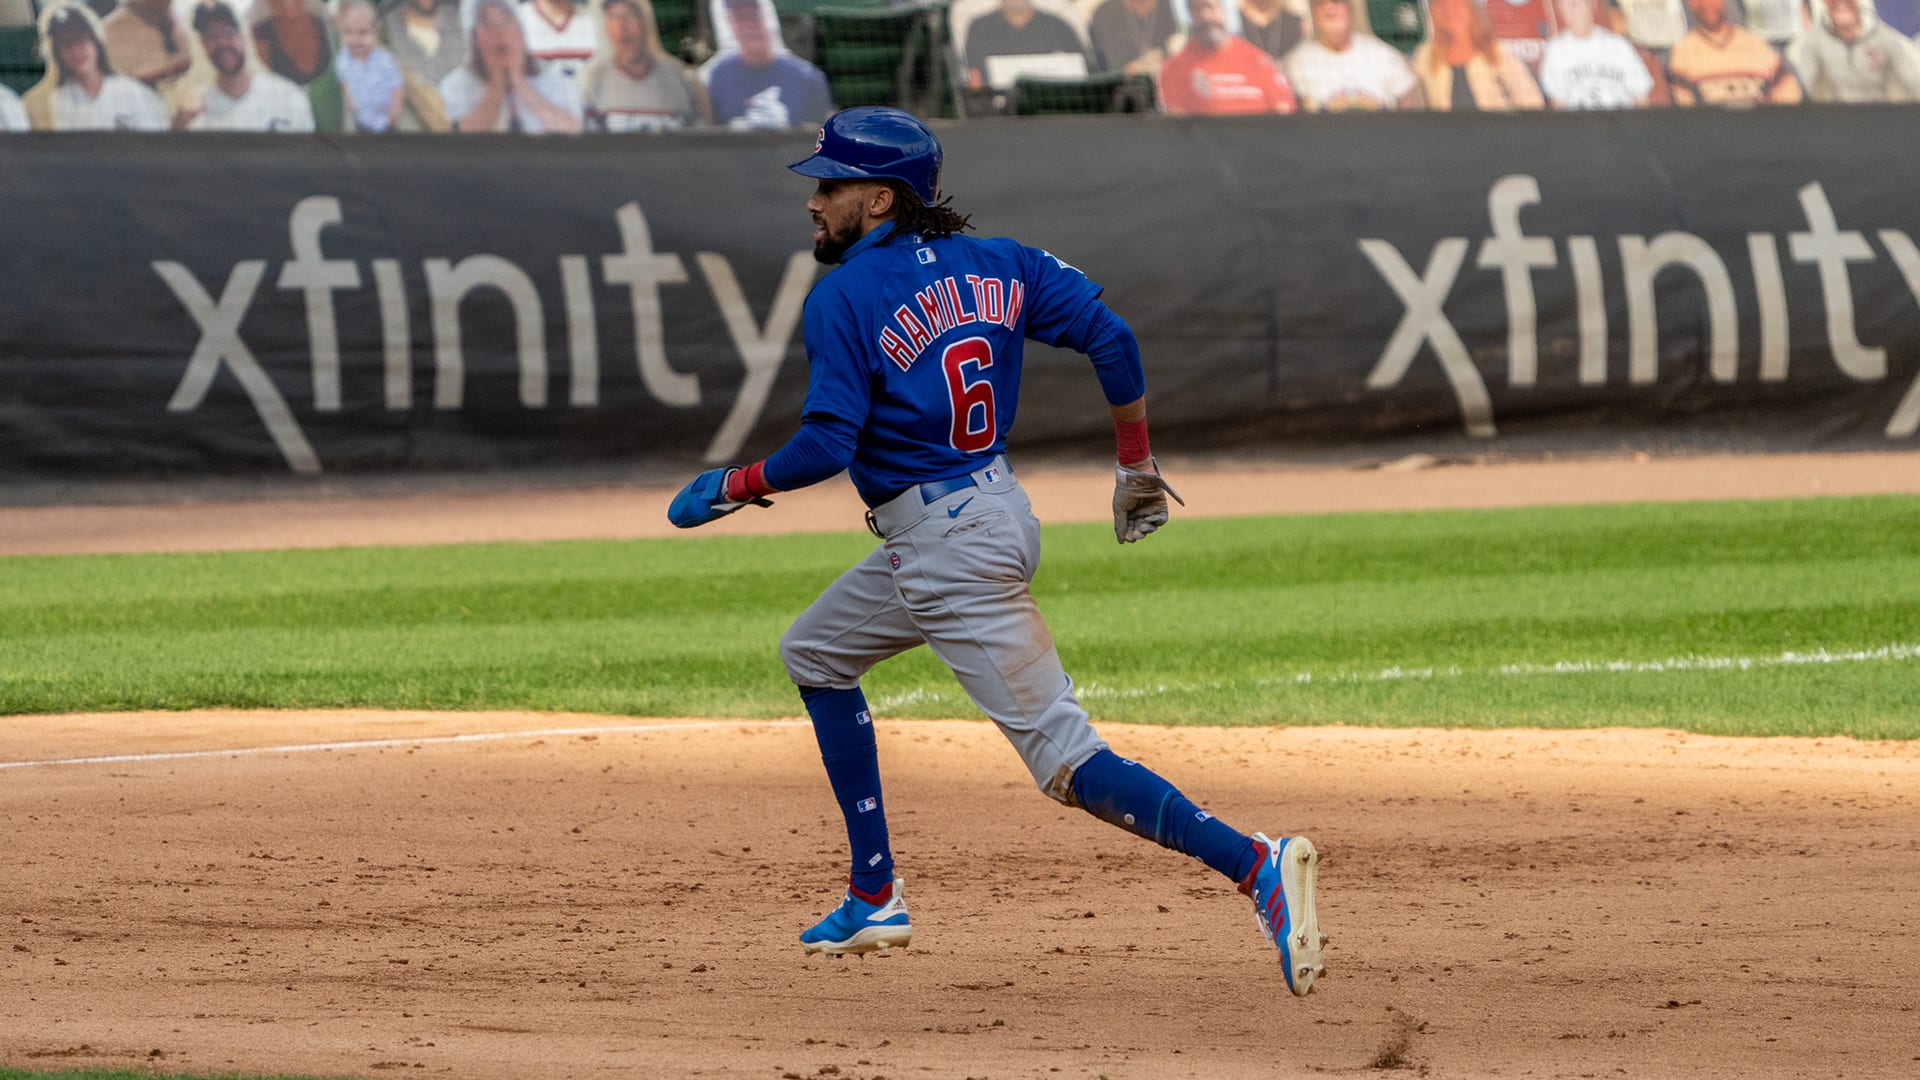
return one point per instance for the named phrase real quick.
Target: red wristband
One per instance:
(1130, 441)
(748, 483)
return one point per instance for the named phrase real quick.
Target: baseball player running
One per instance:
(914, 343)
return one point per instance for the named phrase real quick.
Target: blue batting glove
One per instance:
(704, 499)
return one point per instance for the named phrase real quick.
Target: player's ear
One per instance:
(880, 201)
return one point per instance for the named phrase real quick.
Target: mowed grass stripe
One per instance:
(1208, 622)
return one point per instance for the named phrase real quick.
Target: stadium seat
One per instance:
(798, 19)
(679, 25)
(808, 7)
(999, 98)
(20, 65)
(881, 57)
(1400, 23)
(1103, 92)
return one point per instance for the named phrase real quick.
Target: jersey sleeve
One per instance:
(1058, 296)
(838, 382)
(1064, 309)
(1109, 342)
(822, 448)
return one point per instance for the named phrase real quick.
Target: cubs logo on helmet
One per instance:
(876, 142)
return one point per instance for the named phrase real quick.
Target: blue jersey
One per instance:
(917, 344)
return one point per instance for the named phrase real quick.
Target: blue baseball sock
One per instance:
(1130, 795)
(844, 729)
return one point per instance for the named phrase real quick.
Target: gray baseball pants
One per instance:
(953, 573)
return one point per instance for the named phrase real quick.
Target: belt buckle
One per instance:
(874, 526)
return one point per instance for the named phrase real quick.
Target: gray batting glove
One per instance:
(1140, 501)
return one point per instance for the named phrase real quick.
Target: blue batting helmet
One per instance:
(874, 142)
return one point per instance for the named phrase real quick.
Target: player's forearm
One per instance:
(821, 449)
(1109, 342)
(1130, 446)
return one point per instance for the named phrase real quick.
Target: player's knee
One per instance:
(794, 657)
(802, 660)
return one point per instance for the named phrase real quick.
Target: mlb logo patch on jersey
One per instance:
(990, 475)
(867, 804)
(863, 717)
(926, 256)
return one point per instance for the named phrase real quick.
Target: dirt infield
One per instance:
(1059, 495)
(586, 896)
(624, 904)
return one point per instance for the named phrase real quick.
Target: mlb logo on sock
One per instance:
(865, 805)
(863, 717)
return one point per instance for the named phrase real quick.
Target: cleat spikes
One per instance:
(1282, 889)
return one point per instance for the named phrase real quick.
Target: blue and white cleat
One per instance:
(857, 926)
(1282, 890)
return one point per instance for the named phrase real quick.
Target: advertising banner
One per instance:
(206, 306)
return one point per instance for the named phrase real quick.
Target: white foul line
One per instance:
(1790, 658)
(382, 744)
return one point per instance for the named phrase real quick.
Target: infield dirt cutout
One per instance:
(580, 896)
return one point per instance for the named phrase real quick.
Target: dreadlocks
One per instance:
(934, 222)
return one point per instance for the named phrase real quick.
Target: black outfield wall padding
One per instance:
(202, 306)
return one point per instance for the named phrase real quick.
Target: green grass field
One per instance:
(1787, 617)
(1779, 617)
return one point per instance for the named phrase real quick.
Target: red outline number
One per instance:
(966, 396)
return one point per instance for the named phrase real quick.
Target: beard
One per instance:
(833, 245)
